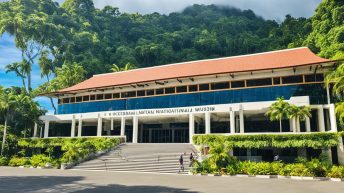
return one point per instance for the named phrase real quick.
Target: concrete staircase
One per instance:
(142, 157)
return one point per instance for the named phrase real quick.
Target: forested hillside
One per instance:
(97, 38)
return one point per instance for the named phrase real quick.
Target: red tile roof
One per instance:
(253, 62)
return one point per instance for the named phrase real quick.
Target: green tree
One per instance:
(278, 111)
(299, 113)
(126, 67)
(19, 69)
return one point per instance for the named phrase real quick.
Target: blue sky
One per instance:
(269, 9)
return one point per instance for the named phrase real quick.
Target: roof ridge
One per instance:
(203, 60)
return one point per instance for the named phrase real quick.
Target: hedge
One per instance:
(313, 140)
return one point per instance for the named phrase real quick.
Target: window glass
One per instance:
(193, 88)
(72, 100)
(170, 90)
(108, 96)
(292, 79)
(59, 101)
(219, 85)
(159, 91)
(314, 78)
(259, 82)
(128, 94)
(204, 87)
(92, 97)
(277, 80)
(181, 89)
(141, 93)
(78, 99)
(86, 98)
(100, 96)
(150, 92)
(116, 95)
(65, 100)
(237, 84)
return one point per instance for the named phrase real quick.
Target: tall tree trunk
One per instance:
(29, 81)
(51, 99)
(23, 80)
(280, 125)
(4, 137)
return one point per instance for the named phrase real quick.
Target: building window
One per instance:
(72, 100)
(238, 84)
(204, 87)
(78, 99)
(116, 95)
(219, 85)
(259, 82)
(92, 97)
(314, 78)
(100, 96)
(65, 100)
(159, 91)
(141, 93)
(59, 101)
(108, 96)
(181, 89)
(128, 94)
(149, 92)
(193, 88)
(277, 80)
(170, 90)
(292, 79)
(86, 98)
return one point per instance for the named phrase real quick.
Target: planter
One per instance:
(242, 175)
(336, 179)
(263, 176)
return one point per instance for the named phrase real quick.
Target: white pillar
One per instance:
(333, 121)
(79, 127)
(122, 126)
(308, 124)
(99, 126)
(46, 129)
(328, 154)
(291, 123)
(135, 128)
(232, 121)
(111, 124)
(328, 95)
(191, 127)
(35, 130)
(241, 121)
(72, 130)
(207, 123)
(340, 151)
(297, 122)
(321, 123)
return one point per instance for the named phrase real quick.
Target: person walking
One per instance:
(181, 163)
(191, 159)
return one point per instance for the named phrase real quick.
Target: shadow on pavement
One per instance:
(59, 184)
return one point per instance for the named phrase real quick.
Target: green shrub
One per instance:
(40, 160)
(276, 167)
(336, 172)
(300, 170)
(3, 161)
(18, 161)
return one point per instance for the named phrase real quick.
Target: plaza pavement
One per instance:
(50, 180)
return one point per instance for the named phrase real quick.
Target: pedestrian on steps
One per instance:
(181, 163)
(191, 159)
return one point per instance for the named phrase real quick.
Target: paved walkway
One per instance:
(38, 180)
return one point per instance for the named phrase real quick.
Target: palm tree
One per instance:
(299, 114)
(128, 66)
(16, 67)
(278, 111)
(6, 106)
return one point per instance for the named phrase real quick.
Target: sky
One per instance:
(268, 9)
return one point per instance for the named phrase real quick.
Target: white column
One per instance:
(72, 130)
(291, 123)
(321, 123)
(333, 121)
(99, 126)
(207, 123)
(232, 121)
(308, 124)
(328, 154)
(191, 127)
(79, 127)
(46, 129)
(122, 126)
(135, 128)
(328, 95)
(297, 122)
(111, 124)
(35, 130)
(241, 121)
(340, 151)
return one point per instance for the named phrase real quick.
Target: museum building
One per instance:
(170, 103)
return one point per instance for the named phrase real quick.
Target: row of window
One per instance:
(296, 79)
